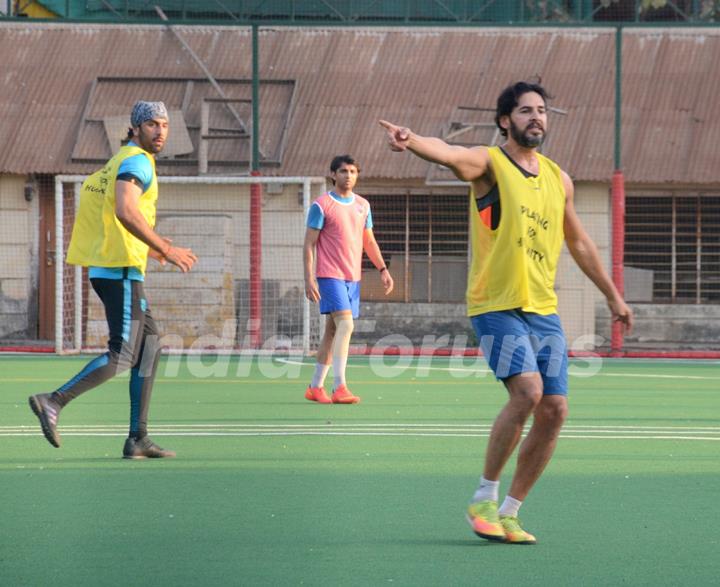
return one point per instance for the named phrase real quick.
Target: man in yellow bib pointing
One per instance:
(113, 236)
(521, 210)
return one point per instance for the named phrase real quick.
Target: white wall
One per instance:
(283, 225)
(577, 295)
(213, 220)
(18, 258)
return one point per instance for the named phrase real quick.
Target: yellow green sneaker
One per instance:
(514, 534)
(483, 517)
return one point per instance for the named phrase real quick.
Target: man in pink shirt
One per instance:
(339, 228)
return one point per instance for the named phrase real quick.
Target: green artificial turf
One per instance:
(269, 489)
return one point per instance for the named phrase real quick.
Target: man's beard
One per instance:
(146, 142)
(524, 139)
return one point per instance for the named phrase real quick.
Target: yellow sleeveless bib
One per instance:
(514, 266)
(98, 237)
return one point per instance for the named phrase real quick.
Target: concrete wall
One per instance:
(417, 323)
(18, 260)
(667, 327)
(192, 305)
(188, 214)
(209, 305)
(577, 296)
(212, 301)
(282, 224)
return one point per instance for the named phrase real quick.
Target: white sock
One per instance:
(510, 507)
(340, 348)
(321, 372)
(486, 490)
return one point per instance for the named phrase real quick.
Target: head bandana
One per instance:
(144, 111)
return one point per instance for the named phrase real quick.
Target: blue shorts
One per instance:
(337, 295)
(515, 342)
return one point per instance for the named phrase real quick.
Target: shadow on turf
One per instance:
(469, 542)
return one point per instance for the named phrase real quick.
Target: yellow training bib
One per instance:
(514, 265)
(98, 237)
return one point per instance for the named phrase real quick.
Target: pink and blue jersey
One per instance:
(341, 222)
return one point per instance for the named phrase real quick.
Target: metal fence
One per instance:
(453, 12)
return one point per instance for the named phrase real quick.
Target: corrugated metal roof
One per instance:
(671, 92)
(346, 79)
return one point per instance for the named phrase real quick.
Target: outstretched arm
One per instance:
(585, 254)
(466, 164)
(373, 252)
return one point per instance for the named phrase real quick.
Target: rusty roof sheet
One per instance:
(345, 79)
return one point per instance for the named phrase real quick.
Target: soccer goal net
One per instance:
(246, 290)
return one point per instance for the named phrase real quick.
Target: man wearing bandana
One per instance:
(113, 236)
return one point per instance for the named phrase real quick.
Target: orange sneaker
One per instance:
(317, 394)
(483, 517)
(342, 395)
(514, 533)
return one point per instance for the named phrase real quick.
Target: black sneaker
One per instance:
(47, 412)
(144, 448)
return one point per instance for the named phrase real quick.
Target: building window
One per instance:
(675, 239)
(424, 240)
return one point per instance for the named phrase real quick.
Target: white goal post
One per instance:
(238, 297)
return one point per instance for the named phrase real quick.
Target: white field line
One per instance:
(377, 434)
(411, 367)
(403, 367)
(466, 370)
(414, 430)
(391, 425)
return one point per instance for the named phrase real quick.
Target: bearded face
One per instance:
(528, 120)
(530, 137)
(151, 135)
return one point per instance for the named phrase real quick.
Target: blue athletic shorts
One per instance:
(337, 295)
(516, 342)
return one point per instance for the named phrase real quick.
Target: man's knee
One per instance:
(120, 360)
(329, 327)
(344, 324)
(553, 410)
(526, 390)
